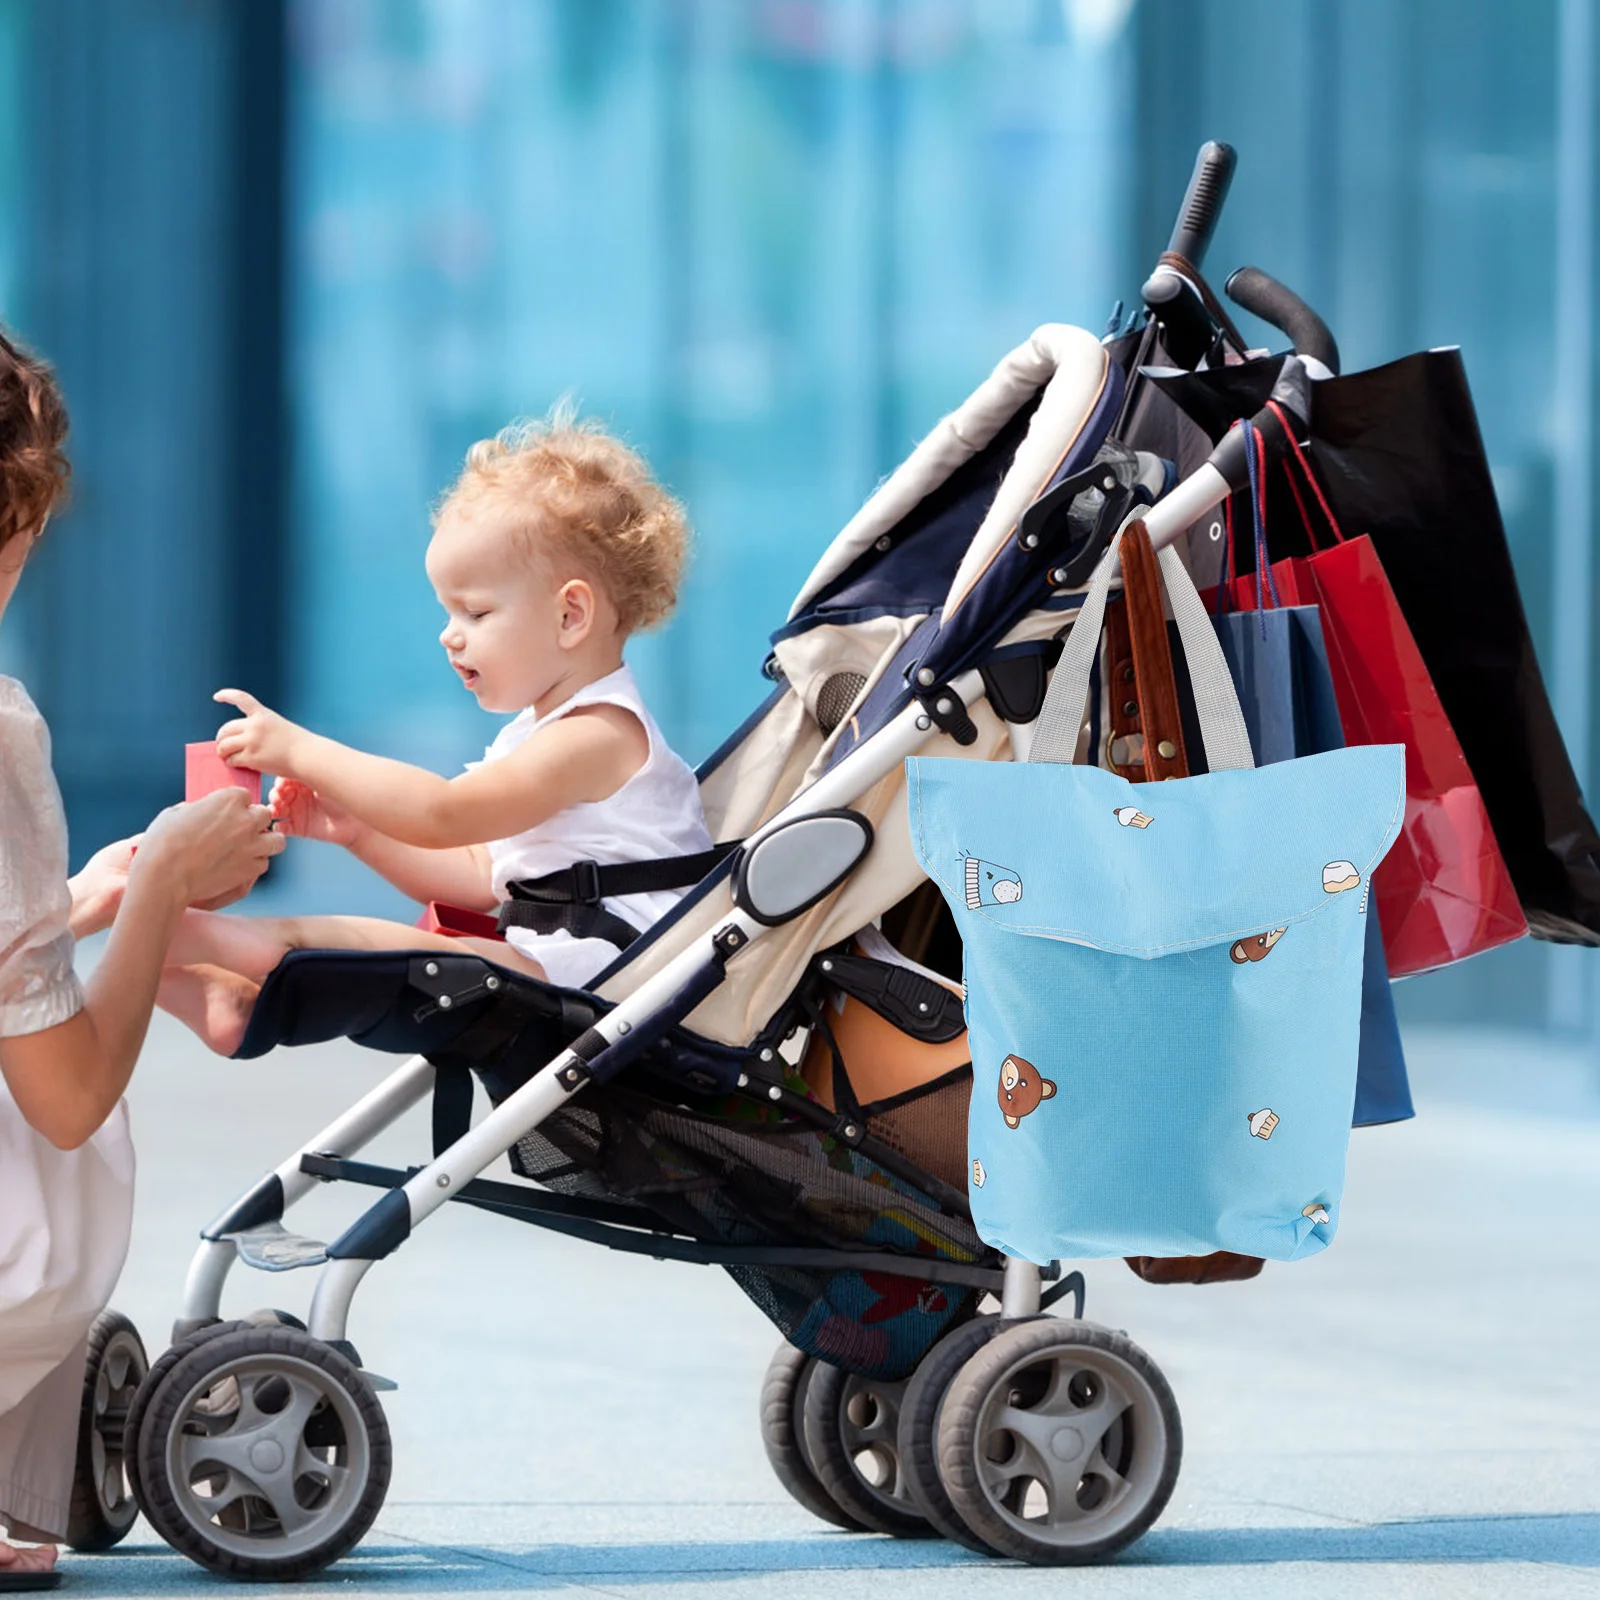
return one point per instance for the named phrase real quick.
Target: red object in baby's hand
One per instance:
(204, 772)
(457, 921)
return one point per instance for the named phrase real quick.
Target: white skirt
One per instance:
(65, 1217)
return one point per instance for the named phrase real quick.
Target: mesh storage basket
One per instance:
(735, 1171)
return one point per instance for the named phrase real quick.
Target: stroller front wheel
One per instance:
(263, 1454)
(1059, 1442)
(103, 1507)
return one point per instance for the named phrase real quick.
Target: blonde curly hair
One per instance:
(589, 501)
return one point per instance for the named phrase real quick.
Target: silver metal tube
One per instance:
(330, 1305)
(1020, 1296)
(202, 1289)
(380, 1108)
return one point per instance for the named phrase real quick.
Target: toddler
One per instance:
(554, 546)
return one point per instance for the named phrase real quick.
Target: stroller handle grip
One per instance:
(1202, 201)
(1273, 302)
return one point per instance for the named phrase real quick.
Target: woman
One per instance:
(67, 1049)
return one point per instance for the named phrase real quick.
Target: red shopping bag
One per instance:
(1443, 891)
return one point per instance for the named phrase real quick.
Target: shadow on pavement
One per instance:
(1571, 1539)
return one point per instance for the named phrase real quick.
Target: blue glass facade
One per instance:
(292, 259)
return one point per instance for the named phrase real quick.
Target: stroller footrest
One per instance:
(272, 1248)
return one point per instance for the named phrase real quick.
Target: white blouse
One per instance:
(64, 1214)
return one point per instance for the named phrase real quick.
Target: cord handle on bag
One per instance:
(1305, 466)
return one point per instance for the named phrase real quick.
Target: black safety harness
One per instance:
(572, 898)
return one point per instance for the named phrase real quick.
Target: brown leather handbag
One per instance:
(1144, 743)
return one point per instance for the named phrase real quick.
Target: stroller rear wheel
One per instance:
(783, 1394)
(852, 1438)
(103, 1507)
(263, 1454)
(1059, 1442)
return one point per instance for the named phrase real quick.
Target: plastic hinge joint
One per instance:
(948, 714)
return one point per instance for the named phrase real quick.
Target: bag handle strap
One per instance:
(1222, 727)
(1155, 687)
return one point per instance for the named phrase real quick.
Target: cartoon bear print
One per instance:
(1256, 949)
(1021, 1089)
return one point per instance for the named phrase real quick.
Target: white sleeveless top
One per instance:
(655, 813)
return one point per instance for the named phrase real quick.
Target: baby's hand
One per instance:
(260, 738)
(298, 809)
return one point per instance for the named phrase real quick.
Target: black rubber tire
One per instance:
(782, 1396)
(214, 1362)
(97, 1521)
(919, 1426)
(1146, 1435)
(830, 1395)
(164, 1363)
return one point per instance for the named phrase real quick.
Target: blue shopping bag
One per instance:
(1163, 980)
(1279, 665)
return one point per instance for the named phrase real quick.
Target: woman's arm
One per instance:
(66, 1079)
(586, 755)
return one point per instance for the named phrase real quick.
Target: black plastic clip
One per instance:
(947, 713)
(729, 940)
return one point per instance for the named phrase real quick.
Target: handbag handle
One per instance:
(1222, 727)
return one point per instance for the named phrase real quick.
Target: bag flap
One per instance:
(1152, 869)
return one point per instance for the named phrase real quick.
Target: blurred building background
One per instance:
(292, 256)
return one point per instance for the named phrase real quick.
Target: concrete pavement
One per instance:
(1413, 1414)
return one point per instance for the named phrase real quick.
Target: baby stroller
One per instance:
(772, 1079)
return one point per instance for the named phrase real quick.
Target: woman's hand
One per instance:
(299, 810)
(97, 889)
(260, 739)
(211, 850)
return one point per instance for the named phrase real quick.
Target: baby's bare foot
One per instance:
(27, 1558)
(213, 1002)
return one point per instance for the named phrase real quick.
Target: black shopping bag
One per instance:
(1400, 454)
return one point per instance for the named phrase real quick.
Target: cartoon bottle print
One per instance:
(991, 885)
(1022, 1088)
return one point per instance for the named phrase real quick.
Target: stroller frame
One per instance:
(613, 1040)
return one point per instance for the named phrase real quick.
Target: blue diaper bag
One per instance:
(1163, 979)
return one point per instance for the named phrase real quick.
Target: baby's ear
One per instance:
(578, 611)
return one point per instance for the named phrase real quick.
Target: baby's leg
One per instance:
(253, 946)
(217, 964)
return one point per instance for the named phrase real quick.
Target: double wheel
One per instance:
(256, 1450)
(1055, 1442)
